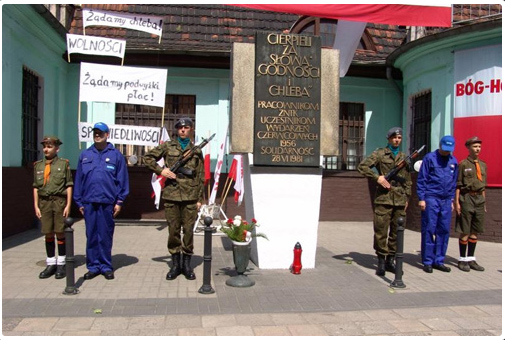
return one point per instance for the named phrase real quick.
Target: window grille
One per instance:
(30, 117)
(176, 107)
(351, 138)
(421, 123)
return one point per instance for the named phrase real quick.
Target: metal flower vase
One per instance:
(241, 255)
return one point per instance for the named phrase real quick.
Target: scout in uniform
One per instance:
(470, 204)
(391, 199)
(52, 197)
(183, 195)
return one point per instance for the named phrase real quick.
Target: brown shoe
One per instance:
(475, 266)
(463, 265)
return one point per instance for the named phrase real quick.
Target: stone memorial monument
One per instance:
(284, 119)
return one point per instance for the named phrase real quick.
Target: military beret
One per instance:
(186, 121)
(394, 131)
(472, 140)
(52, 140)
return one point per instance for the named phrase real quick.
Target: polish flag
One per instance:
(478, 106)
(217, 172)
(353, 18)
(239, 179)
(206, 164)
(158, 181)
(232, 173)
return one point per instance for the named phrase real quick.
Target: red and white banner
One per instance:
(391, 14)
(239, 179)
(352, 20)
(158, 181)
(478, 105)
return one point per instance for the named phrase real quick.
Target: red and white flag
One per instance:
(422, 14)
(158, 181)
(478, 106)
(217, 172)
(206, 164)
(239, 179)
(353, 18)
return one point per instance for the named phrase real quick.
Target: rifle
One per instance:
(178, 167)
(393, 172)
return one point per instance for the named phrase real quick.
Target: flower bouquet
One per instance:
(239, 230)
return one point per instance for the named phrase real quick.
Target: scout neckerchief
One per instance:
(477, 167)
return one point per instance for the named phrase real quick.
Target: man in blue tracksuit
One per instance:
(436, 186)
(100, 188)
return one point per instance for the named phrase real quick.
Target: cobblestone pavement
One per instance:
(340, 296)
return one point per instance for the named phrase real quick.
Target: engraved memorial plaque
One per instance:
(287, 113)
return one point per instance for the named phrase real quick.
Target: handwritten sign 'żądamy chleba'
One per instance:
(122, 84)
(124, 134)
(139, 22)
(87, 44)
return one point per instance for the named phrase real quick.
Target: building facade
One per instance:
(392, 68)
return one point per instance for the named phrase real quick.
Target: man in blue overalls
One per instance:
(100, 188)
(436, 187)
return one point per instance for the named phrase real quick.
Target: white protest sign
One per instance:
(122, 84)
(87, 44)
(124, 134)
(145, 23)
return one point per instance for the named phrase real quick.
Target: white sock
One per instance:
(51, 261)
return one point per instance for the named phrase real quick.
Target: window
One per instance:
(421, 123)
(176, 106)
(30, 117)
(351, 138)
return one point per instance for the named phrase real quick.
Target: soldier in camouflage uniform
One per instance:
(52, 197)
(470, 204)
(183, 195)
(391, 198)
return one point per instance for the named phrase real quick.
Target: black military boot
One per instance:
(176, 267)
(186, 267)
(390, 264)
(61, 272)
(381, 266)
(48, 272)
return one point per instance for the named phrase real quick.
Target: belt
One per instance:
(52, 197)
(472, 193)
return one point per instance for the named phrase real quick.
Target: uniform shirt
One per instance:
(183, 188)
(383, 160)
(437, 177)
(101, 177)
(59, 179)
(467, 175)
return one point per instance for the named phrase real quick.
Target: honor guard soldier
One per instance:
(183, 195)
(52, 196)
(470, 204)
(391, 198)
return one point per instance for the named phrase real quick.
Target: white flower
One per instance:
(248, 236)
(238, 217)
(237, 222)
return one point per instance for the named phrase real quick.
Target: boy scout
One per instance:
(470, 204)
(391, 199)
(183, 195)
(52, 196)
